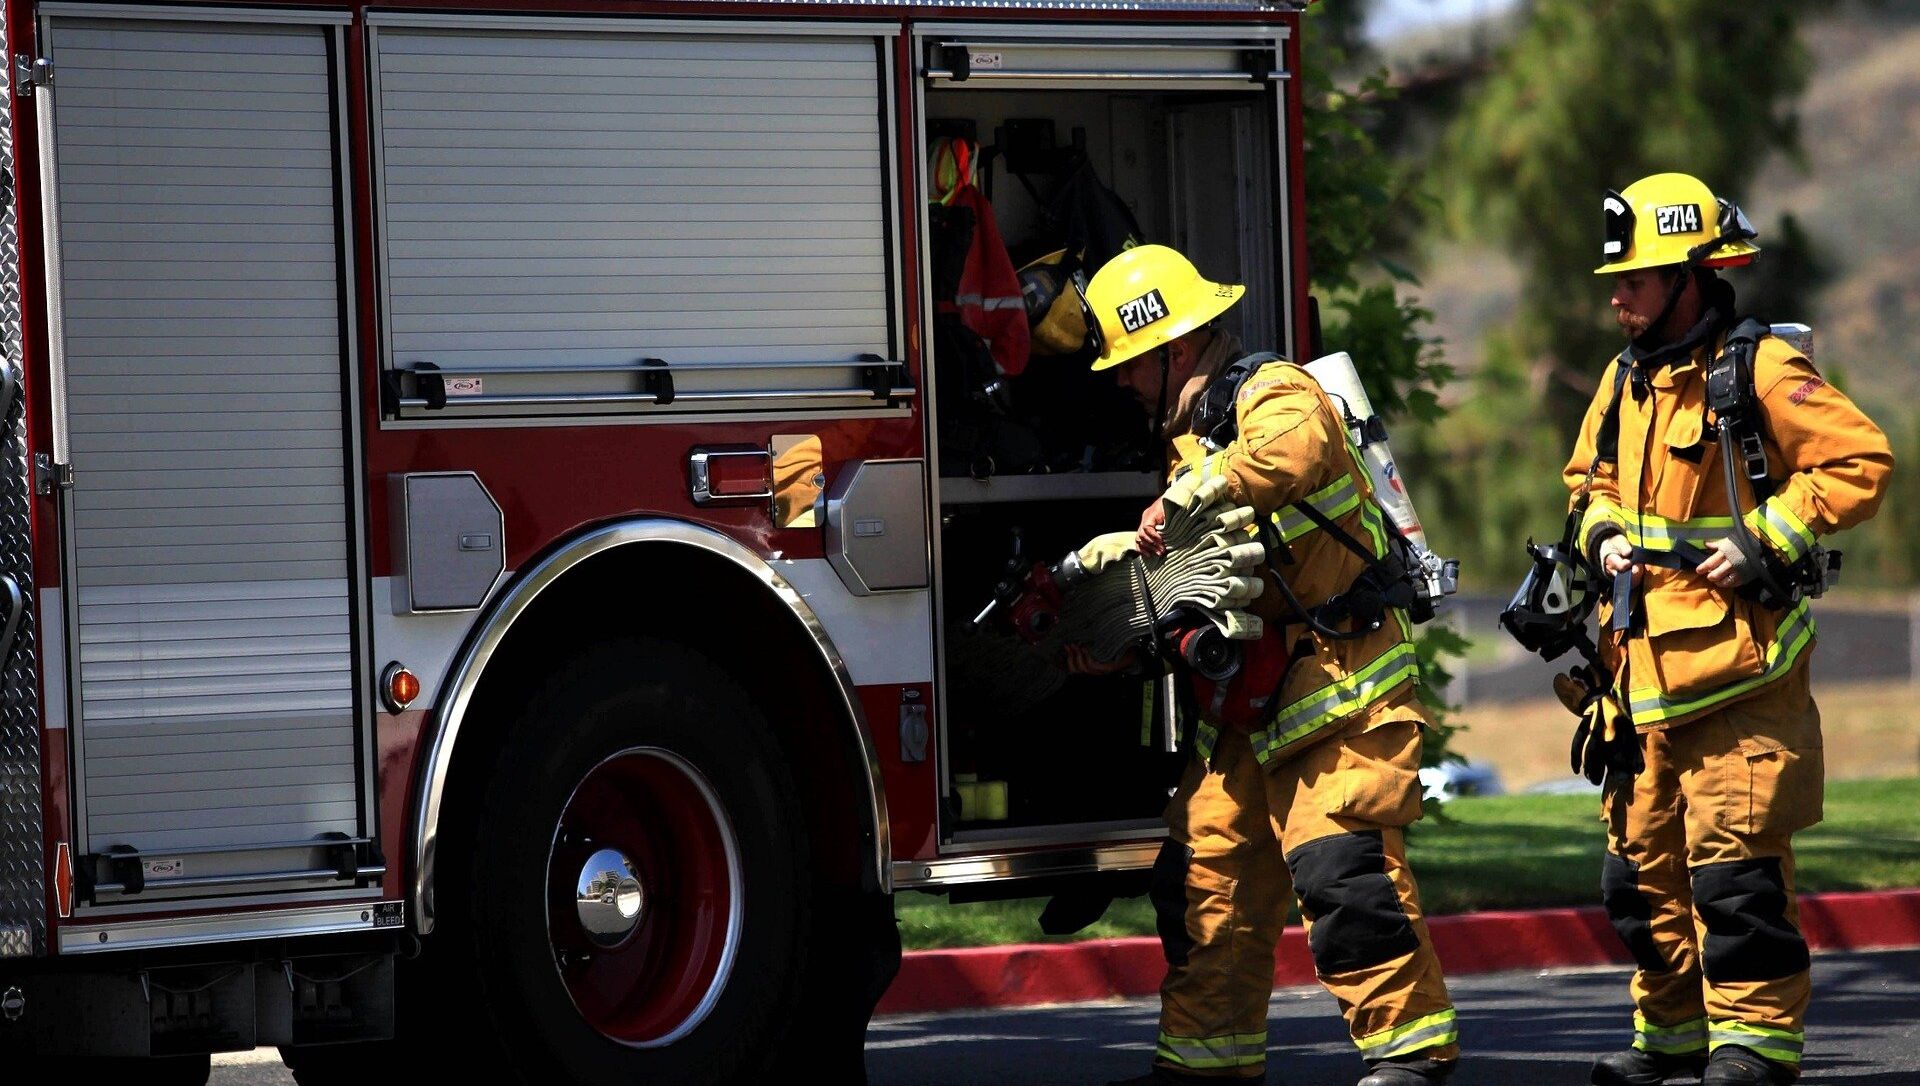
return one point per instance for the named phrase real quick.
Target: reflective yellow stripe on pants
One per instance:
(1679, 1040)
(1781, 1045)
(1210, 1053)
(1430, 1032)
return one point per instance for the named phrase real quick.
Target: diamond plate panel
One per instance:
(23, 921)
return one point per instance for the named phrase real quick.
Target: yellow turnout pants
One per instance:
(1327, 825)
(1698, 877)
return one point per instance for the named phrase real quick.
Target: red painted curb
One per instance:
(1027, 974)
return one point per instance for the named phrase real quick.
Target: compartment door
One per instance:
(709, 201)
(196, 247)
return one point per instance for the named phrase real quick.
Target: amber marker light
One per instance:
(399, 687)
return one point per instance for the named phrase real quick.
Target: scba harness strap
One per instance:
(1736, 423)
(1390, 581)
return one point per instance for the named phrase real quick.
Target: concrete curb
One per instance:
(1013, 976)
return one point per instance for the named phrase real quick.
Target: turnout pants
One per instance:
(1326, 825)
(1698, 876)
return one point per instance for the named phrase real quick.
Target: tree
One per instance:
(1356, 202)
(1591, 95)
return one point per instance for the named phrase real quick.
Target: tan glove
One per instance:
(1189, 492)
(1103, 550)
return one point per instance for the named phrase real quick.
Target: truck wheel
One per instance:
(855, 945)
(148, 1071)
(636, 886)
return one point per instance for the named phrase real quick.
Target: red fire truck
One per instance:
(492, 524)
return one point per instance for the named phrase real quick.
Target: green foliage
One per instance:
(1356, 198)
(1357, 205)
(1590, 96)
(1434, 647)
(1493, 470)
(1886, 549)
(1511, 852)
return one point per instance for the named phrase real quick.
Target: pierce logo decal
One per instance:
(1799, 395)
(1142, 311)
(1677, 219)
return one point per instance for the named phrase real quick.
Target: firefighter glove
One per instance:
(1103, 550)
(1605, 740)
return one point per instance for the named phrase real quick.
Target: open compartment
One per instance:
(1035, 452)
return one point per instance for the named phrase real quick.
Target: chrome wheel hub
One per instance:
(609, 898)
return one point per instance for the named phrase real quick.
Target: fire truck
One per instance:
(491, 539)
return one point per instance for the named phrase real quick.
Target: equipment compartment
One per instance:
(1047, 449)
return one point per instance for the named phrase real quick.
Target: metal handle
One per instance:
(637, 368)
(1169, 712)
(579, 399)
(9, 388)
(1112, 75)
(270, 846)
(700, 475)
(16, 602)
(54, 288)
(360, 873)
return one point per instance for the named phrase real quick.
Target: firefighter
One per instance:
(1702, 420)
(1314, 802)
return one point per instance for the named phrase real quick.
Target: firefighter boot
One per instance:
(1410, 1071)
(1632, 1067)
(1733, 1065)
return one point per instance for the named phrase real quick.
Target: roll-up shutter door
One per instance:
(558, 206)
(209, 511)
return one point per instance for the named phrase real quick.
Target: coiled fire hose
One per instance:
(1211, 568)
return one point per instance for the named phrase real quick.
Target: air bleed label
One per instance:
(389, 914)
(171, 868)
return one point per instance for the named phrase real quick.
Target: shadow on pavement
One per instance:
(1518, 1029)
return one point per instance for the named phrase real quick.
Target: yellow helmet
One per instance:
(1056, 318)
(1147, 296)
(1673, 218)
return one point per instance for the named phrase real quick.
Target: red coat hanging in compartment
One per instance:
(986, 294)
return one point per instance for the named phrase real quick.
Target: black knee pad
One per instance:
(1630, 912)
(1168, 892)
(1743, 904)
(1344, 889)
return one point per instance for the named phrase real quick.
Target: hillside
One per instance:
(1857, 193)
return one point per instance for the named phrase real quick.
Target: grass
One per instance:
(1509, 852)
(1869, 728)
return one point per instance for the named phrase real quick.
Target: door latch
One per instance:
(29, 73)
(49, 476)
(913, 726)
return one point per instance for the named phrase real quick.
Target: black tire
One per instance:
(618, 703)
(855, 955)
(147, 1071)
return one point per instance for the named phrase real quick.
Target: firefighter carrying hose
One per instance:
(1711, 461)
(1313, 801)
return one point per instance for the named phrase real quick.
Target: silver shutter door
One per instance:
(196, 173)
(553, 198)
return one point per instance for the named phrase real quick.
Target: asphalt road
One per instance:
(1855, 645)
(1520, 1029)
